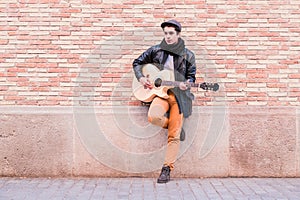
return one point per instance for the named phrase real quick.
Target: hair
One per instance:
(176, 28)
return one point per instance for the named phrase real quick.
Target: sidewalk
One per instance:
(147, 188)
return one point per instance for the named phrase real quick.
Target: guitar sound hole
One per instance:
(158, 82)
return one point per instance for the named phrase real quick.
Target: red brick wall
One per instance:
(80, 51)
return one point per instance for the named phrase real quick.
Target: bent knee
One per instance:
(157, 120)
(154, 118)
(150, 119)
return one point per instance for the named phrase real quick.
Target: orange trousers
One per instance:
(156, 116)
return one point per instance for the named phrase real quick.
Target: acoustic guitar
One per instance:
(163, 80)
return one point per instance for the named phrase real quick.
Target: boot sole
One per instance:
(163, 181)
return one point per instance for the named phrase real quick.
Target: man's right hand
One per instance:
(146, 82)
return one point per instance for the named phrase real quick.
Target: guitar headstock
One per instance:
(209, 86)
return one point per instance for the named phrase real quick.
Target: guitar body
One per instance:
(153, 73)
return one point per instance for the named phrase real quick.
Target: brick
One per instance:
(294, 76)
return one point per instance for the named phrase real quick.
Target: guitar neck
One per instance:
(204, 85)
(177, 83)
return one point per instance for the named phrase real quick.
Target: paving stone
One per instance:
(147, 188)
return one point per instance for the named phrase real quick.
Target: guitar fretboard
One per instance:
(204, 85)
(177, 83)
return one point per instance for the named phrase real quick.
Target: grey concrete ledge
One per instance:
(239, 141)
(242, 110)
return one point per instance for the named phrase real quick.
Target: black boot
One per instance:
(164, 176)
(182, 135)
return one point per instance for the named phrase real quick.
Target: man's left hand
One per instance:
(184, 85)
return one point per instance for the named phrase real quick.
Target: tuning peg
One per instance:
(215, 87)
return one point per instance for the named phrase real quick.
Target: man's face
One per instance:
(171, 35)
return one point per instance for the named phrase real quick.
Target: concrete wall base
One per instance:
(220, 141)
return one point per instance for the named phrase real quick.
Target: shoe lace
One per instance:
(165, 170)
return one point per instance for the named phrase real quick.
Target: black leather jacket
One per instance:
(185, 69)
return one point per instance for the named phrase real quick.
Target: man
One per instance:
(172, 55)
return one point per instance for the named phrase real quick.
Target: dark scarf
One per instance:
(177, 49)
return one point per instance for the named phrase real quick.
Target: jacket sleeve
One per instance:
(144, 58)
(191, 68)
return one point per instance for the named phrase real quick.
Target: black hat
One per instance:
(172, 23)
